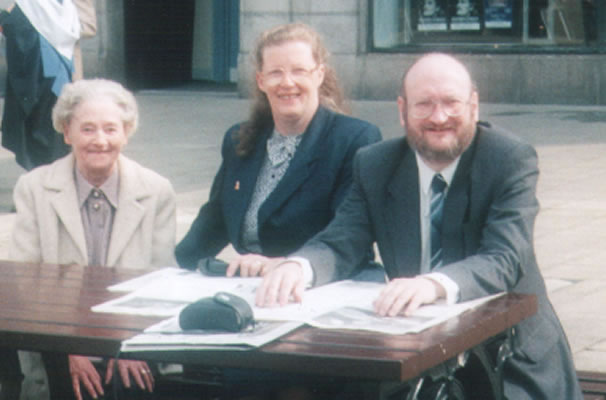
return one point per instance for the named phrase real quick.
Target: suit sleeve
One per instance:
(165, 227)
(367, 135)
(25, 240)
(336, 251)
(207, 235)
(506, 236)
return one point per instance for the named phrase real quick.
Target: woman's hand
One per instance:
(251, 265)
(139, 370)
(83, 372)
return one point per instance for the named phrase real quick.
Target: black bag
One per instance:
(222, 312)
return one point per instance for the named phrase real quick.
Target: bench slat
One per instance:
(593, 385)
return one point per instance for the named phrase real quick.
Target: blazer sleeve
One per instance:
(335, 252)
(208, 234)
(505, 237)
(25, 240)
(165, 226)
(368, 134)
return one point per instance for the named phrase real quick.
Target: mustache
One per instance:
(437, 127)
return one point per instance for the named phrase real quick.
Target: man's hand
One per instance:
(406, 295)
(281, 285)
(252, 265)
(83, 372)
(139, 370)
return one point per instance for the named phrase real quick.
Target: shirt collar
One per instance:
(280, 147)
(426, 173)
(109, 188)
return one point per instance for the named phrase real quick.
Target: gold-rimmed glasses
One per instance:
(452, 107)
(296, 74)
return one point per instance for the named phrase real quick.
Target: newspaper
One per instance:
(364, 318)
(166, 292)
(340, 305)
(167, 335)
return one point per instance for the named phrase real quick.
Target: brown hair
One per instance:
(330, 93)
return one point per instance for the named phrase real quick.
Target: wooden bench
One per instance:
(593, 385)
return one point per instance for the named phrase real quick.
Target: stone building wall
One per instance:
(501, 78)
(525, 78)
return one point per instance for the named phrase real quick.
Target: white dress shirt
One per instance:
(426, 175)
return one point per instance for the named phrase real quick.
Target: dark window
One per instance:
(494, 24)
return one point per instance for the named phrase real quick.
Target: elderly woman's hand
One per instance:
(84, 372)
(139, 370)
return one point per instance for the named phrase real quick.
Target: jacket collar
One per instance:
(247, 171)
(456, 205)
(61, 183)
(300, 166)
(129, 213)
(131, 210)
(404, 208)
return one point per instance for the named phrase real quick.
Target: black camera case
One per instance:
(222, 312)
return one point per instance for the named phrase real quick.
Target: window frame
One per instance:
(525, 45)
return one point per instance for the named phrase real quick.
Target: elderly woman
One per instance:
(94, 207)
(286, 169)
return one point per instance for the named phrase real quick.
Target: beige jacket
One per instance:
(48, 227)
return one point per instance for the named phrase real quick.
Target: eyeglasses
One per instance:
(297, 75)
(451, 107)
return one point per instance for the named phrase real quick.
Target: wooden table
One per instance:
(47, 308)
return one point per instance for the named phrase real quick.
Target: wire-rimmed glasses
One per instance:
(452, 107)
(296, 74)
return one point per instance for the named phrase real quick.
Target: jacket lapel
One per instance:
(241, 181)
(300, 166)
(402, 216)
(456, 208)
(61, 187)
(130, 211)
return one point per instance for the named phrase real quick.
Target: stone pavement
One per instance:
(181, 131)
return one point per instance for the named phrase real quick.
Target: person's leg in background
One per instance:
(10, 374)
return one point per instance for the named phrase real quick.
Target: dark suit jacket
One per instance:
(487, 241)
(302, 204)
(27, 128)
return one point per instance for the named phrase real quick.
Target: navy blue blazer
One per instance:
(487, 242)
(303, 203)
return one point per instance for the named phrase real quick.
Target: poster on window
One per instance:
(498, 14)
(432, 16)
(466, 16)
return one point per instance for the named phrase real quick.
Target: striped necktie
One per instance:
(438, 186)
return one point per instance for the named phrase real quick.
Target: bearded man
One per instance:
(451, 208)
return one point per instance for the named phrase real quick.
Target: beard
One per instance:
(417, 140)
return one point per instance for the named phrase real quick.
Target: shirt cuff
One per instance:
(450, 287)
(308, 272)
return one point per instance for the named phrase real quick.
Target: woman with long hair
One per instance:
(287, 168)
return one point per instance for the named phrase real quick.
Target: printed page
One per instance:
(167, 335)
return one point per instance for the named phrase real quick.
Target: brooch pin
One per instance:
(237, 185)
